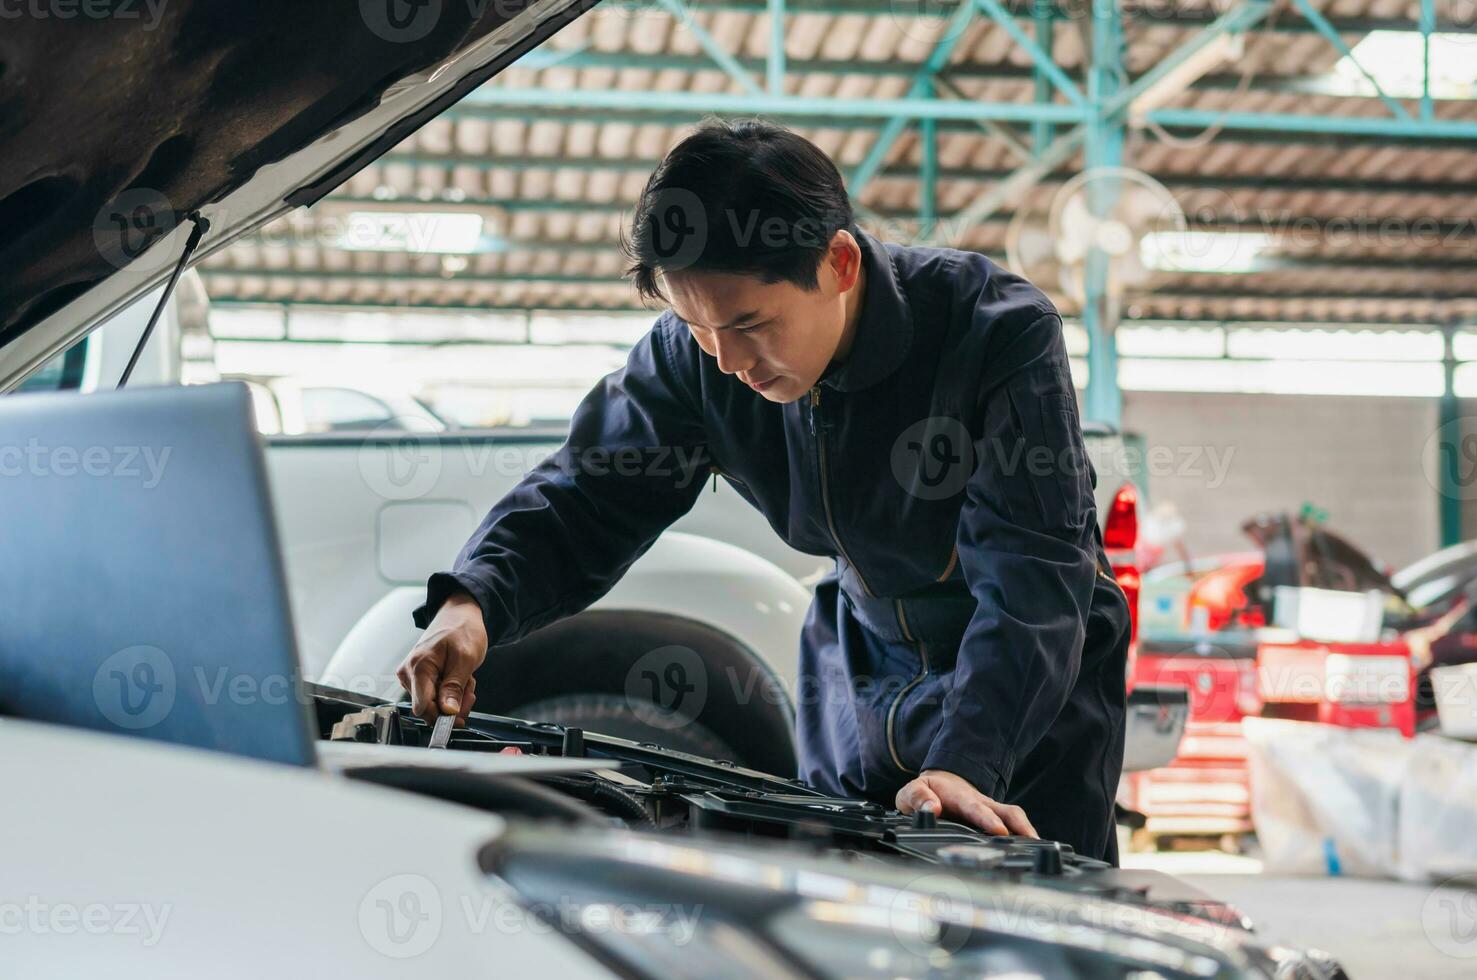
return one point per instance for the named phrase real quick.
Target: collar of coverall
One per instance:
(884, 330)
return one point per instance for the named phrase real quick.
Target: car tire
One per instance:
(612, 714)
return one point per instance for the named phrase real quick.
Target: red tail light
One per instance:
(1122, 527)
(1120, 540)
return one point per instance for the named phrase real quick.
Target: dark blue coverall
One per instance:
(970, 624)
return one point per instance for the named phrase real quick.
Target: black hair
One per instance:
(749, 198)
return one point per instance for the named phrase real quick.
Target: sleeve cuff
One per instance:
(440, 587)
(990, 780)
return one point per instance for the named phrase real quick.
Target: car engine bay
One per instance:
(673, 797)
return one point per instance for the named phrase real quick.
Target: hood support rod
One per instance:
(192, 243)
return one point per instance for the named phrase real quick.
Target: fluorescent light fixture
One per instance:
(436, 232)
(1203, 251)
(1395, 60)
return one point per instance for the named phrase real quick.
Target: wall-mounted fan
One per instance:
(1054, 247)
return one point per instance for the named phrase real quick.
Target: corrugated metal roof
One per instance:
(1364, 228)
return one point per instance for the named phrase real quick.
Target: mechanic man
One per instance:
(908, 411)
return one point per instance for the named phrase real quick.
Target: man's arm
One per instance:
(1027, 548)
(632, 464)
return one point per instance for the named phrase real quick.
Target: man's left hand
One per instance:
(953, 797)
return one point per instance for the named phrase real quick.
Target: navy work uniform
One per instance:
(970, 623)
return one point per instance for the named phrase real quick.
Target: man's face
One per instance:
(775, 337)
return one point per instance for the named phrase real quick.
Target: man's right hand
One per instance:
(438, 671)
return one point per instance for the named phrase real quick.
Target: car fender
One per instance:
(720, 585)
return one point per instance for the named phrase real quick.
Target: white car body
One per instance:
(146, 859)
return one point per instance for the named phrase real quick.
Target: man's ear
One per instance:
(845, 258)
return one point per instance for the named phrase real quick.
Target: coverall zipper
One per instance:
(820, 447)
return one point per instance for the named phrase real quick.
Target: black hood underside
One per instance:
(167, 105)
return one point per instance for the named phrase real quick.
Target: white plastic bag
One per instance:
(1438, 810)
(1326, 800)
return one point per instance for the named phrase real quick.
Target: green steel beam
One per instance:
(1146, 14)
(270, 239)
(439, 307)
(775, 68)
(708, 43)
(1275, 263)
(928, 177)
(336, 275)
(1042, 132)
(1237, 20)
(1438, 129)
(1321, 24)
(1449, 443)
(801, 120)
(1103, 149)
(1109, 105)
(392, 306)
(644, 165)
(999, 131)
(1042, 59)
(1010, 187)
(701, 104)
(1428, 24)
(918, 92)
(1199, 294)
(1002, 72)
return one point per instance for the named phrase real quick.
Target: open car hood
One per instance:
(116, 129)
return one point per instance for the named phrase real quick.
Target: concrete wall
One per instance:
(1224, 457)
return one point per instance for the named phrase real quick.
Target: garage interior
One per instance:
(1328, 193)
(1258, 219)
